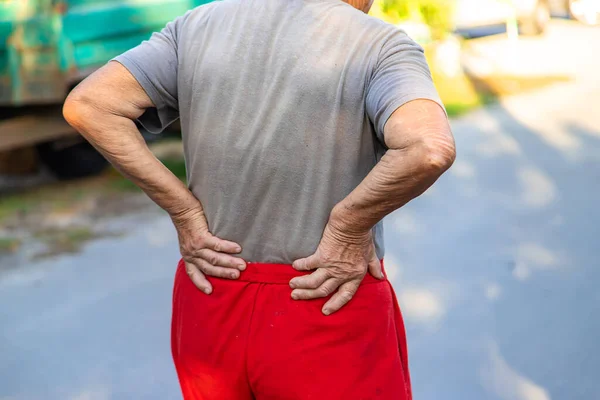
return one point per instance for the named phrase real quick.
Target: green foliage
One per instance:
(9, 245)
(176, 165)
(437, 14)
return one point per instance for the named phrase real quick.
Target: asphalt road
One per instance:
(496, 267)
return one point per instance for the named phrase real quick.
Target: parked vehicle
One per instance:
(46, 48)
(532, 15)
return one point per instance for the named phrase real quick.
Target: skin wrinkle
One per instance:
(102, 108)
(127, 150)
(418, 154)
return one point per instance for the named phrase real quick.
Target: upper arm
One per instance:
(111, 89)
(140, 83)
(400, 77)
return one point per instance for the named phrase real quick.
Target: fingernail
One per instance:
(294, 296)
(207, 290)
(326, 311)
(292, 285)
(242, 266)
(233, 275)
(238, 249)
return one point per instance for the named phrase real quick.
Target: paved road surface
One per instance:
(496, 268)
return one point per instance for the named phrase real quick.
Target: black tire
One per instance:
(537, 22)
(580, 17)
(72, 161)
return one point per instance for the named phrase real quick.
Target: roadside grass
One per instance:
(119, 183)
(13, 204)
(66, 240)
(66, 196)
(462, 92)
(48, 198)
(9, 245)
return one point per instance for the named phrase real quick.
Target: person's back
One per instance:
(274, 98)
(304, 123)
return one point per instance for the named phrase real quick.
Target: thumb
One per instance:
(376, 268)
(306, 264)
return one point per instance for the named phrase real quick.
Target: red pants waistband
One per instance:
(282, 273)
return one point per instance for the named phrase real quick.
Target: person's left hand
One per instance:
(341, 262)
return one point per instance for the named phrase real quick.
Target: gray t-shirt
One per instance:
(282, 106)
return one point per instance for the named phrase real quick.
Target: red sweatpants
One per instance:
(250, 340)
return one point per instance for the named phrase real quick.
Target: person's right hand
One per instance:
(203, 253)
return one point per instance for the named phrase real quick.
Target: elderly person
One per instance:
(304, 123)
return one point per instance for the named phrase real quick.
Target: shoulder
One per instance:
(199, 13)
(214, 7)
(218, 15)
(205, 12)
(358, 17)
(378, 33)
(389, 35)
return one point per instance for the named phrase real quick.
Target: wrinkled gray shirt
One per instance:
(282, 106)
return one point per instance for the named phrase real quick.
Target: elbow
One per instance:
(438, 154)
(72, 109)
(75, 108)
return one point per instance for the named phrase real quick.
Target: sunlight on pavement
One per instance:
(406, 223)
(495, 142)
(463, 169)
(20, 277)
(501, 379)
(93, 394)
(392, 269)
(421, 305)
(493, 291)
(532, 256)
(554, 134)
(497, 145)
(161, 233)
(538, 190)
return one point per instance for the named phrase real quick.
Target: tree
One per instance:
(437, 14)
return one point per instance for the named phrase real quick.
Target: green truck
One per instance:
(46, 48)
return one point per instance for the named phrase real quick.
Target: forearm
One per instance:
(399, 177)
(421, 150)
(119, 140)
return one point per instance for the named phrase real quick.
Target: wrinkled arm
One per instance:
(103, 109)
(421, 149)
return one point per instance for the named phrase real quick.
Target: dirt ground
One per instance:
(62, 216)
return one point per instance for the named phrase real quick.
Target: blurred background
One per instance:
(495, 266)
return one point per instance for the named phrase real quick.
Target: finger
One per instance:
(306, 264)
(217, 272)
(322, 291)
(222, 246)
(198, 278)
(311, 281)
(222, 260)
(341, 297)
(376, 269)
